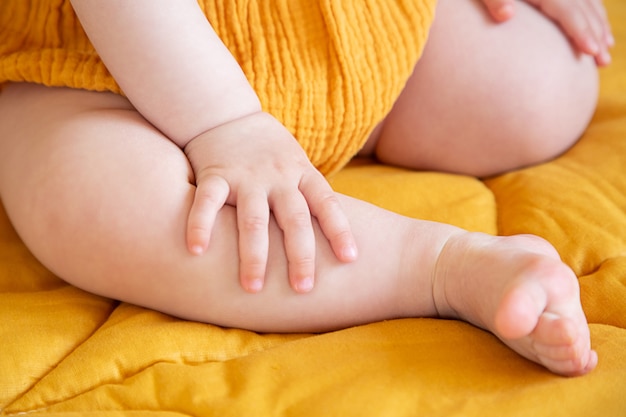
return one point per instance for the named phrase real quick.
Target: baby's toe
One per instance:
(563, 346)
(562, 353)
(571, 367)
(553, 330)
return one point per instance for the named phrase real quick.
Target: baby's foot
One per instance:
(518, 288)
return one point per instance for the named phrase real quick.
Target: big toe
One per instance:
(519, 312)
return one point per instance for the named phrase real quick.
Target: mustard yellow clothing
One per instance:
(330, 70)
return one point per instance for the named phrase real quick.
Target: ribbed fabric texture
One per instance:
(330, 70)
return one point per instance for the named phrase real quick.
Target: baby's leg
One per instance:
(101, 198)
(486, 97)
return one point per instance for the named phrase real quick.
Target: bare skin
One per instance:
(102, 200)
(114, 195)
(448, 120)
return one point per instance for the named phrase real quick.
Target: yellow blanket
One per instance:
(64, 351)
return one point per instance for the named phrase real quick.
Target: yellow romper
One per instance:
(330, 70)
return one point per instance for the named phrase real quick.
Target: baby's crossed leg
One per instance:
(102, 199)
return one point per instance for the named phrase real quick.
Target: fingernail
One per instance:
(610, 39)
(197, 249)
(255, 285)
(349, 253)
(505, 11)
(305, 284)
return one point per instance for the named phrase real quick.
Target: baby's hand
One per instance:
(583, 21)
(255, 164)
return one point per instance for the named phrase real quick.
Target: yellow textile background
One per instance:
(64, 351)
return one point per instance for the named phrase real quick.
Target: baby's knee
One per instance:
(553, 108)
(487, 98)
(544, 92)
(552, 89)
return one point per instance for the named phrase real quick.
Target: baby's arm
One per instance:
(175, 70)
(585, 22)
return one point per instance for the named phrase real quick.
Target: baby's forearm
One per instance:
(169, 62)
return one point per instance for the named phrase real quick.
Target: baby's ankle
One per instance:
(439, 280)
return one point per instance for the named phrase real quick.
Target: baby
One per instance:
(187, 196)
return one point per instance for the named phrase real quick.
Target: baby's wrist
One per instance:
(259, 117)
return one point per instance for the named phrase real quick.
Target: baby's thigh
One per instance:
(81, 173)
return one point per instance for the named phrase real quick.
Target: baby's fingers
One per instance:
(211, 194)
(253, 216)
(327, 209)
(586, 24)
(294, 218)
(605, 26)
